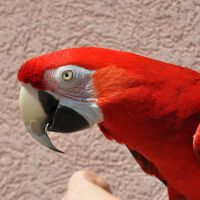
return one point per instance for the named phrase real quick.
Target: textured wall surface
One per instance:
(165, 30)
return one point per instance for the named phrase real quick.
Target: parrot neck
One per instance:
(132, 124)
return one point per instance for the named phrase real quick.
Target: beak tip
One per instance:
(45, 141)
(57, 150)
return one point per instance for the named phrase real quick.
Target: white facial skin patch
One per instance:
(72, 86)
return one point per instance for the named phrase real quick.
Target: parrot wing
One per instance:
(147, 166)
(151, 169)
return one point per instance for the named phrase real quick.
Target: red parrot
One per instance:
(150, 106)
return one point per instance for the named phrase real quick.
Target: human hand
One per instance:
(86, 185)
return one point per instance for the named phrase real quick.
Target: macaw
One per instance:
(150, 106)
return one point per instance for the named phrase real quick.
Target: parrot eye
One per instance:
(67, 75)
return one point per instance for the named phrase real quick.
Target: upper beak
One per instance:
(34, 116)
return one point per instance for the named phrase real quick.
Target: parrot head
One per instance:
(68, 90)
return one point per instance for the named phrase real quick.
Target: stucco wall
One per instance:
(165, 30)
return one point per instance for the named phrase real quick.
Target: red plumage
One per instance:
(151, 106)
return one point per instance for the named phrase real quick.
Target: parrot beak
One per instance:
(41, 112)
(34, 116)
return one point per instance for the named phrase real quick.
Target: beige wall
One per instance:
(165, 30)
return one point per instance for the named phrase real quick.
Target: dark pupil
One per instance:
(66, 75)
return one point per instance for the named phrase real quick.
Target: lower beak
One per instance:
(34, 116)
